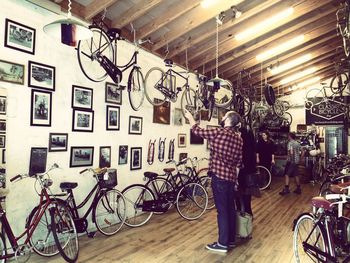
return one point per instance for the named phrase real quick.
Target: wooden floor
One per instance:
(169, 238)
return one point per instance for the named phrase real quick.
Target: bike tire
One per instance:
(339, 82)
(154, 77)
(110, 212)
(136, 88)
(161, 188)
(264, 177)
(205, 181)
(3, 248)
(269, 94)
(287, 119)
(189, 101)
(224, 96)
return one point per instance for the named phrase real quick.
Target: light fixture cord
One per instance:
(217, 47)
(186, 60)
(69, 8)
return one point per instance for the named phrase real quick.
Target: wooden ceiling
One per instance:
(177, 27)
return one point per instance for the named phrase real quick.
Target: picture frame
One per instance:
(81, 156)
(161, 113)
(2, 141)
(83, 121)
(38, 158)
(2, 126)
(58, 142)
(182, 156)
(113, 94)
(195, 139)
(41, 104)
(123, 154)
(181, 140)
(112, 118)
(105, 157)
(82, 98)
(178, 118)
(3, 105)
(19, 37)
(204, 115)
(11, 72)
(135, 125)
(41, 76)
(135, 158)
(211, 127)
(3, 155)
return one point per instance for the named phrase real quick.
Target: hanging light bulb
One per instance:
(68, 30)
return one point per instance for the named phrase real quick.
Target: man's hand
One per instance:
(190, 118)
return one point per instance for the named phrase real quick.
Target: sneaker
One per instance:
(284, 191)
(297, 191)
(216, 247)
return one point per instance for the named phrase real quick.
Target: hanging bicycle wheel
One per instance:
(155, 84)
(190, 102)
(278, 108)
(223, 97)
(264, 177)
(244, 106)
(87, 54)
(136, 88)
(286, 119)
(339, 82)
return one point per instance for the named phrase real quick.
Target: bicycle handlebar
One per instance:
(83, 171)
(16, 177)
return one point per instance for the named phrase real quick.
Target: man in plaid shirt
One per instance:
(225, 159)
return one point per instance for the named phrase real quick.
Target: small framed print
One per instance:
(135, 158)
(113, 93)
(82, 98)
(105, 157)
(135, 125)
(58, 142)
(3, 155)
(3, 104)
(38, 157)
(112, 118)
(123, 154)
(11, 72)
(19, 36)
(41, 76)
(40, 114)
(182, 156)
(2, 141)
(181, 140)
(83, 121)
(81, 156)
(2, 126)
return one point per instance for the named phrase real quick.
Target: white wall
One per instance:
(21, 136)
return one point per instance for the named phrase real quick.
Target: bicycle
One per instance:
(263, 176)
(340, 81)
(343, 25)
(97, 59)
(57, 234)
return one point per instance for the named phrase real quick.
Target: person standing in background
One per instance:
(265, 151)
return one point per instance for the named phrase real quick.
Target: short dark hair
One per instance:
(292, 135)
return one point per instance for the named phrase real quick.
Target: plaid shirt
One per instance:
(225, 151)
(293, 152)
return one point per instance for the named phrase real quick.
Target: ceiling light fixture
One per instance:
(236, 12)
(262, 26)
(281, 48)
(298, 75)
(207, 3)
(290, 64)
(68, 30)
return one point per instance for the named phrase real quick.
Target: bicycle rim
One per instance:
(155, 80)
(223, 97)
(206, 183)
(189, 101)
(136, 88)
(264, 177)
(338, 83)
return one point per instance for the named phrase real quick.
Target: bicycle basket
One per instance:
(108, 179)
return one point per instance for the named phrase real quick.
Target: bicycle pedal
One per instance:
(91, 234)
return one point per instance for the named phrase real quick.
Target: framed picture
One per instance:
(195, 139)
(211, 127)
(82, 98)
(182, 156)
(2, 126)
(58, 142)
(11, 72)
(112, 118)
(135, 158)
(3, 155)
(38, 157)
(3, 105)
(123, 154)
(81, 156)
(41, 76)
(19, 36)
(204, 115)
(40, 114)
(178, 118)
(2, 141)
(135, 125)
(181, 140)
(161, 113)
(105, 156)
(83, 121)
(113, 94)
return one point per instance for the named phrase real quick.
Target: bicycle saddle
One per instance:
(114, 33)
(68, 185)
(321, 202)
(168, 62)
(168, 170)
(339, 188)
(150, 175)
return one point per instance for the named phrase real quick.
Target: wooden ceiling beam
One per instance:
(97, 6)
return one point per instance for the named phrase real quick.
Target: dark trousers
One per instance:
(243, 203)
(224, 197)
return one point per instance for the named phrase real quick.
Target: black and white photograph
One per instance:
(58, 142)
(135, 158)
(19, 36)
(112, 118)
(2, 141)
(135, 125)
(38, 158)
(83, 121)
(178, 118)
(123, 154)
(82, 98)
(2, 126)
(181, 140)
(105, 157)
(11, 72)
(113, 93)
(81, 156)
(41, 76)
(3, 104)
(41, 108)
(3, 155)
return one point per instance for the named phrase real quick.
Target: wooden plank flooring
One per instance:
(169, 238)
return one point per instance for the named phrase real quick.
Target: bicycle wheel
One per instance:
(87, 49)
(244, 107)
(155, 83)
(311, 95)
(191, 201)
(306, 231)
(109, 213)
(317, 173)
(162, 191)
(189, 101)
(339, 83)
(205, 181)
(278, 108)
(64, 233)
(135, 195)
(223, 97)
(136, 88)
(264, 177)
(2, 248)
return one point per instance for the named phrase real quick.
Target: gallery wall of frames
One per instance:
(54, 114)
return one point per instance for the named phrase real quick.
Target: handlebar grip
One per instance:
(15, 178)
(83, 171)
(170, 161)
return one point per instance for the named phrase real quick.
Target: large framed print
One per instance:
(38, 158)
(40, 114)
(81, 156)
(135, 125)
(123, 154)
(112, 118)
(105, 157)
(19, 36)
(58, 142)
(82, 98)
(135, 158)
(41, 76)
(2, 126)
(113, 93)
(83, 121)
(3, 104)
(161, 113)
(11, 72)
